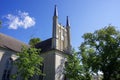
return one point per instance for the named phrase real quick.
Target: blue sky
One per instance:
(85, 16)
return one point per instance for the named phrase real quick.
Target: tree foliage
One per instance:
(100, 51)
(74, 70)
(28, 63)
(34, 41)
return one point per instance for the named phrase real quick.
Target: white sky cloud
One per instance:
(22, 19)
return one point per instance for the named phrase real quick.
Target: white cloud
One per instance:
(22, 19)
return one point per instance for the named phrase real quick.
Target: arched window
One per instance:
(7, 70)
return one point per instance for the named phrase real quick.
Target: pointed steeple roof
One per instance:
(67, 22)
(55, 11)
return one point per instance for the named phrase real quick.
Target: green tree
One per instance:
(75, 70)
(100, 51)
(28, 63)
(34, 41)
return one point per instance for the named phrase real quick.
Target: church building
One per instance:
(53, 50)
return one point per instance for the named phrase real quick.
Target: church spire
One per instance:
(55, 11)
(55, 22)
(68, 35)
(55, 28)
(67, 22)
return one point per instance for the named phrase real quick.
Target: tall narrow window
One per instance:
(7, 70)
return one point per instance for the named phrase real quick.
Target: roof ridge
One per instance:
(45, 40)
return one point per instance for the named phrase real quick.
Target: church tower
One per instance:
(55, 49)
(61, 34)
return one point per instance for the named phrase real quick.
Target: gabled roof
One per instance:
(45, 45)
(11, 43)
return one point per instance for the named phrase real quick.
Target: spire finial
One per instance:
(55, 11)
(67, 22)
